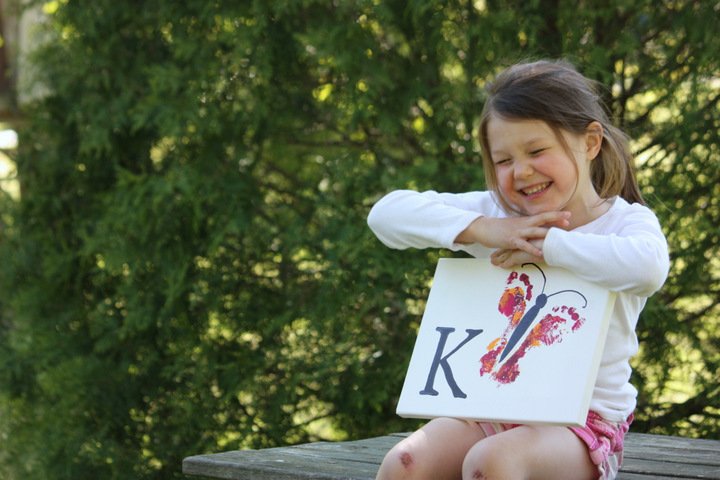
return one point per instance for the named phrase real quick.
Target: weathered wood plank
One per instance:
(655, 455)
(667, 441)
(640, 476)
(646, 457)
(277, 464)
(670, 468)
(684, 455)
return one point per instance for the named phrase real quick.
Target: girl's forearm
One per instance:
(636, 263)
(404, 219)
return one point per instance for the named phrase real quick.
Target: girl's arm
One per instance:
(633, 258)
(405, 218)
(469, 221)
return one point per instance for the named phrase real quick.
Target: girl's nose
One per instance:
(522, 169)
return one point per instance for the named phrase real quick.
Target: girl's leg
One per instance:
(530, 452)
(436, 451)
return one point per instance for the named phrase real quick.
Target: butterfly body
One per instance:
(524, 324)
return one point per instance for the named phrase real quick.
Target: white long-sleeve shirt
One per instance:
(624, 250)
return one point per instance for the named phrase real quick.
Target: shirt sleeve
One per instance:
(632, 258)
(405, 218)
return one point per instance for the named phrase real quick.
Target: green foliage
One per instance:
(189, 268)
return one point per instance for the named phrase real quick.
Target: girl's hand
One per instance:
(513, 233)
(508, 258)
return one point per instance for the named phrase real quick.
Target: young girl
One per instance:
(561, 191)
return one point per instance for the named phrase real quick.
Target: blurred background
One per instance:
(185, 265)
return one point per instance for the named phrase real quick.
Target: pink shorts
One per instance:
(603, 438)
(605, 442)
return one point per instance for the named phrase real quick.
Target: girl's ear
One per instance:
(593, 139)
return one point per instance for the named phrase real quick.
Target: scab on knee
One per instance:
(478, 475)
(406, 459)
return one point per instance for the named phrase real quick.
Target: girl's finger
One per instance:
(552, 218)
(525, 246)
(498, 254)
(534, 232)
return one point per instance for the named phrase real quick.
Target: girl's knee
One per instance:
(435, 452)
(399, 462)
(489, 461)
(543, 452)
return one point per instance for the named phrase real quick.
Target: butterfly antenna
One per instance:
(541, 272)
(570, 291)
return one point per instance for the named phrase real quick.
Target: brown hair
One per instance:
(556, 93)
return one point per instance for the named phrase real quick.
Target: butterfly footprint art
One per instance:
(532, 323)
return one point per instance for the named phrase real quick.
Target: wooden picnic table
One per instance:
(646, 457)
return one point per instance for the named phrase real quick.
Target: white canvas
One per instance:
(472, 310)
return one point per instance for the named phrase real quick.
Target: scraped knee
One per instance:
(406, 459)
(399, 463)
(478, 475)
(489, 460)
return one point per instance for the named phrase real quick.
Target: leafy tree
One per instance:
(189, 268)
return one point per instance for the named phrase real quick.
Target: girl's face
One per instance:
(536, 173)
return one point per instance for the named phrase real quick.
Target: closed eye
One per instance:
(537, 151)
(502, 161)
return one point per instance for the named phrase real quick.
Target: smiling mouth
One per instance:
(536, 189)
